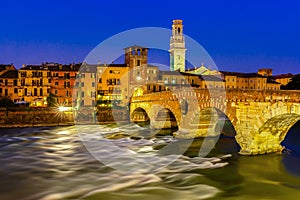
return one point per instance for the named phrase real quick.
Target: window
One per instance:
(114, 71)
(66, 84)
(82, 94)
(0, 90)
(100, 80)
(56, 83)
(67, 75)
(41, 92)
(15, 82)
(55, 91)
(93, 94)
(93, 84)
(82, 84)
(138, 63)
(166, 80)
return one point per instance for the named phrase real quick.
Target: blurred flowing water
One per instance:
(52, 163)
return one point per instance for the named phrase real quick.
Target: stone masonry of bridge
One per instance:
(261, 119)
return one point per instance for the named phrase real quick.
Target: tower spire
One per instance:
(177, 47)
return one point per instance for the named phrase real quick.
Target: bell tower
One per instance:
(177, 47)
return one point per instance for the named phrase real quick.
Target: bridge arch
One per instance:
(273, 131)
(210, 121)
(139, 115)
(165, 119)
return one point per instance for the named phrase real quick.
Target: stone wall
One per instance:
(23, 117)
(33, 117)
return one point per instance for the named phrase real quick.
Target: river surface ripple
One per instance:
(52, 163)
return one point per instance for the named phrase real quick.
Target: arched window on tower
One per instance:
(178, 30)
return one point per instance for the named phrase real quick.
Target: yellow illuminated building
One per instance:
(283, 79)
(34, 81)
(112, 84)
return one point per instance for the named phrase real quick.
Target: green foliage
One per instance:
(294, 84)
(6, 102)
(51, 100)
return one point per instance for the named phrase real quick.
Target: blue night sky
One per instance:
(238, 35)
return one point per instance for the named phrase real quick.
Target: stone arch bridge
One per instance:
(261, 119)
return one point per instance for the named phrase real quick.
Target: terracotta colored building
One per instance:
(9, 84)
(62, 81)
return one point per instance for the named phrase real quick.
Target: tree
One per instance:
(6, 102)
(294, 84)
(51, 101)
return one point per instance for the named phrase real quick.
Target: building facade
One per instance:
(112, 85)
(34, 83)
(9, 84)
(62, 81)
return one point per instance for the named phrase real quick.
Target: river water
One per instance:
(53, 163)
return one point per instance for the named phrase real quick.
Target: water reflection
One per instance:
(291, 162)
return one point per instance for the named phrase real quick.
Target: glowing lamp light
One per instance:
(63, 109)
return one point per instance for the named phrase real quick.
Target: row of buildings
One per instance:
(104, 85)
(85, 84)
